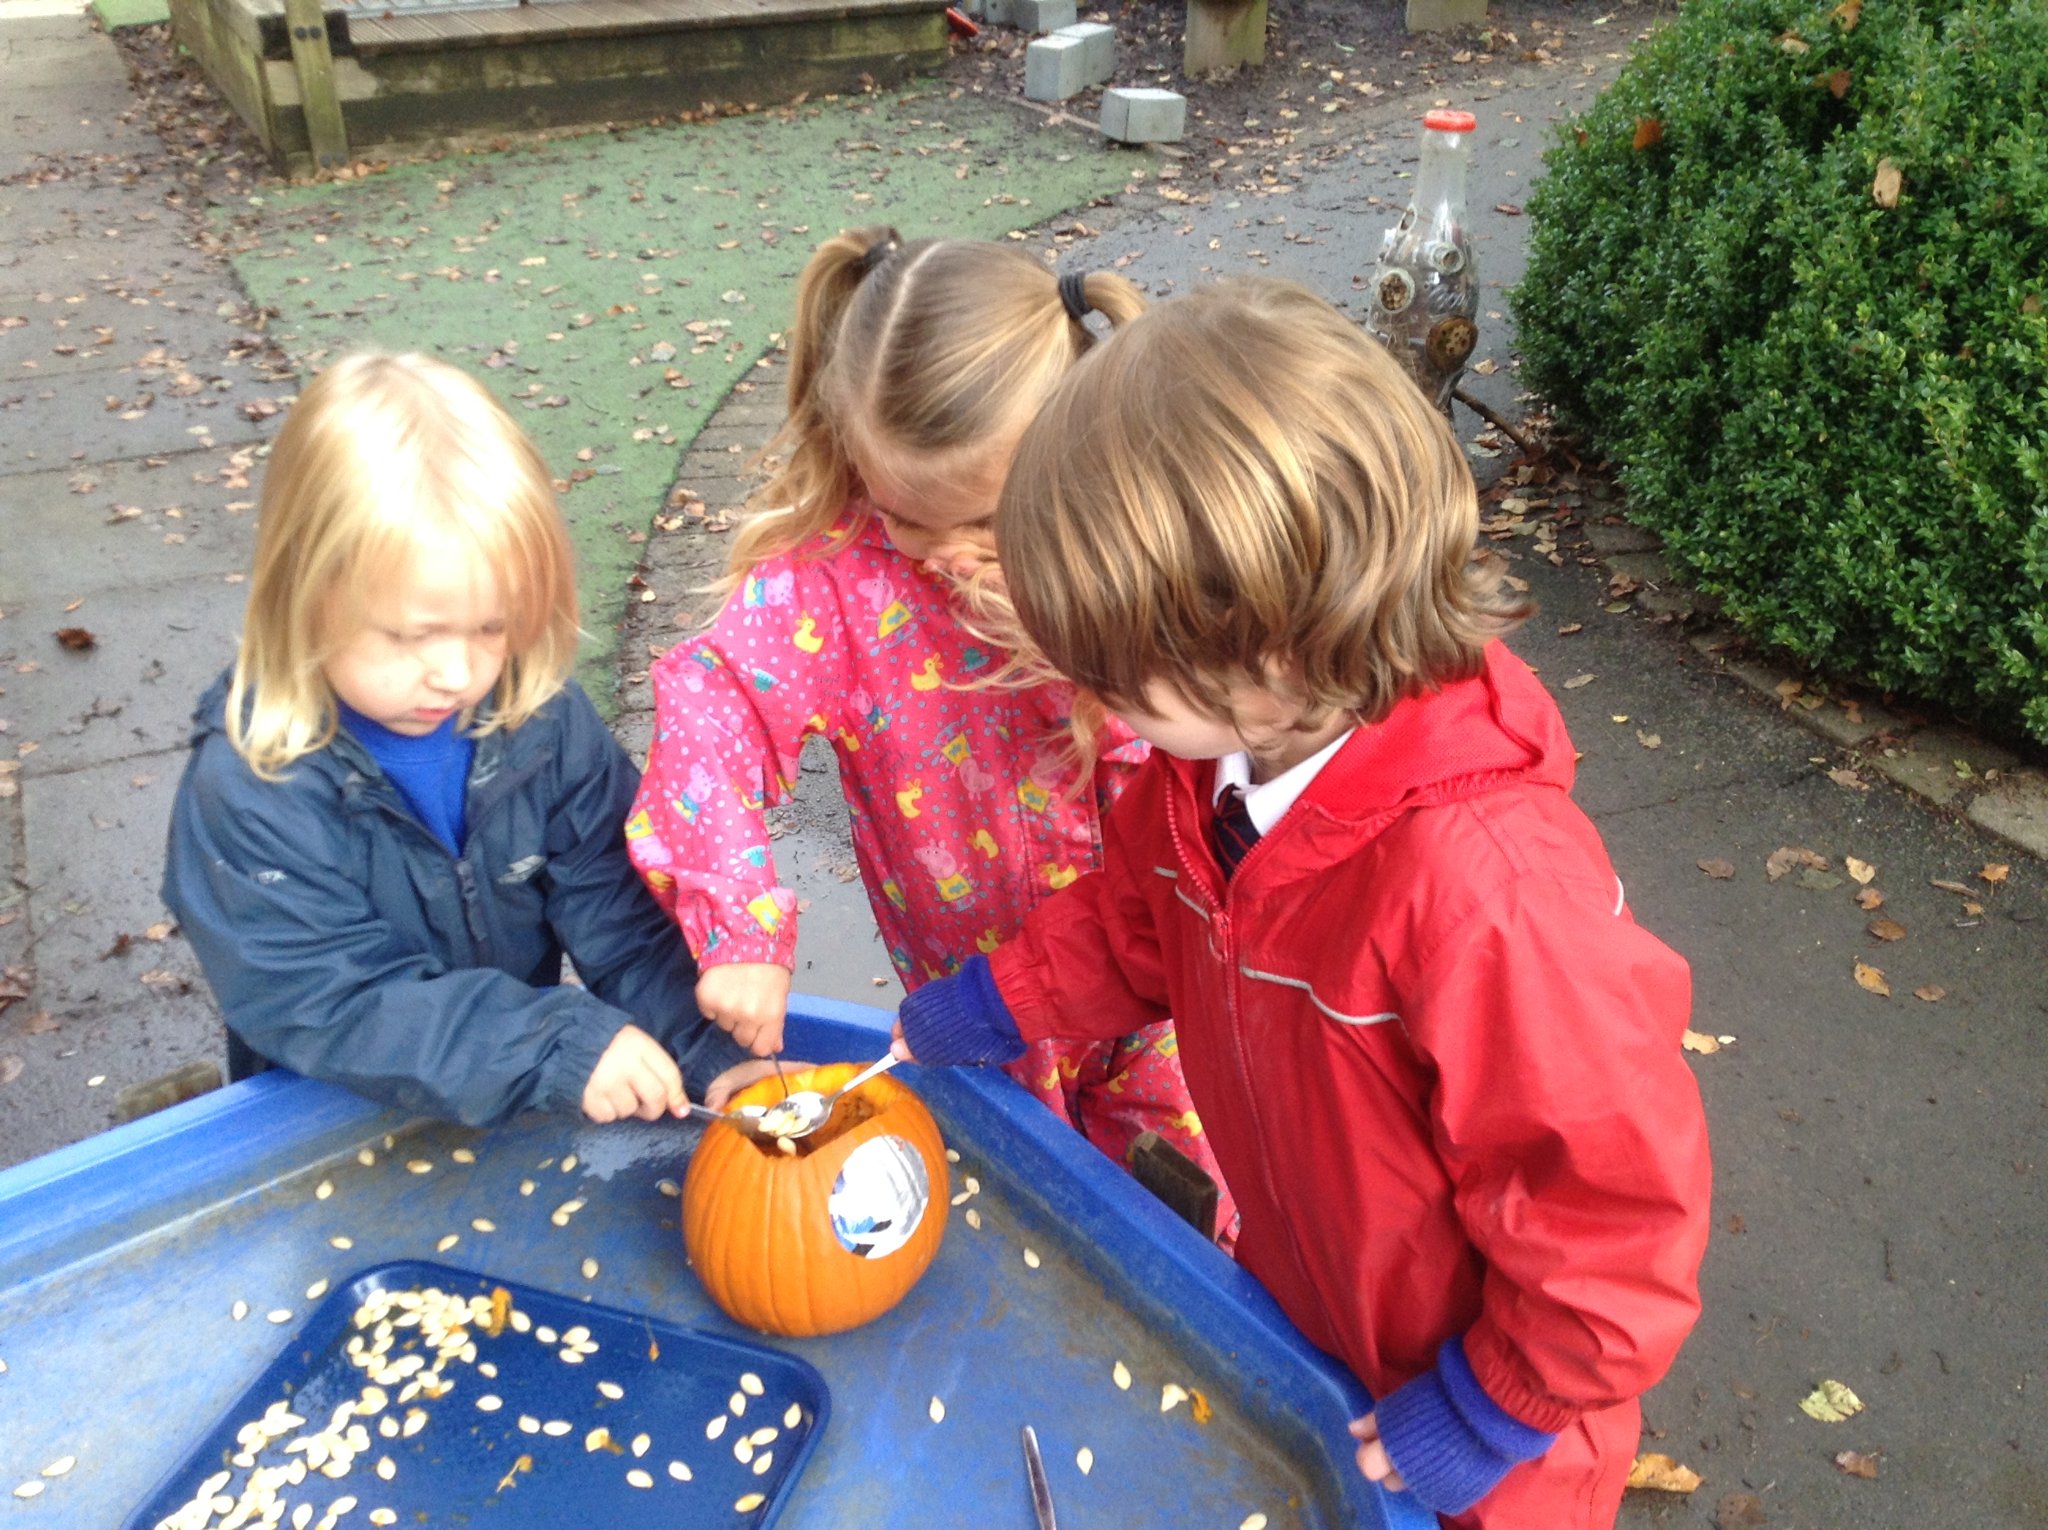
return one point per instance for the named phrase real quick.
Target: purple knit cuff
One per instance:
(960, 1019)
(1451, 1442)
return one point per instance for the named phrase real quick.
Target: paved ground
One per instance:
(1878, 1214)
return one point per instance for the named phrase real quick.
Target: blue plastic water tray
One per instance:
(122, 1259)
(516, 1429)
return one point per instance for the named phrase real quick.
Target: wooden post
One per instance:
(314, 61)
(1223, 34)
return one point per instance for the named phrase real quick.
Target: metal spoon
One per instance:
(804, 1111)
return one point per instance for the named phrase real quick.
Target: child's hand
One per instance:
(898, 1047)
(739, 1075)
(634, 1077)
(748, 1000)
(1373, 1459)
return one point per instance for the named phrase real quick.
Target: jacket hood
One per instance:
(1473, 736)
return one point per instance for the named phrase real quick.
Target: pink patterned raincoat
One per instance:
(961, 821)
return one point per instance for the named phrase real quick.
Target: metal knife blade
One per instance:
(1041, 1491)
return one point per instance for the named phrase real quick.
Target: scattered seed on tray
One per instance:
(463, 1155)
(680, 1472)
(60, 1466)
(526, 1187)
(489, 1403)
(751, 1384)
(316, 1290)
(736, 1405)
(937, 1411)
(569, 1163)
(1171, 1396)
(487, 1368)
(447, 1243)
(669, 1187)
(749, 1502)
(765, 1435)
(367, 1157)
(239, 1311)
(762, 1462)
(418, 1166)
(386, 1468)
(973, 1218)
(30, 1488)
(1084, 1458)
(383, 1516)
(1252, 1521)
(1121, 1375)
(341, 1241)
(1031, 1258)
(483, 1224)
(952, 1155)
(640, 1444)
(961, 1197)
(279, 1315)
(590, 1269)
(555, 1428)
(611, 1389)
(545, 1335)
(528, 1424)
(743, 1450)
(324, 1189)
(715, 1428)
(639, 1478)
(793, 1416)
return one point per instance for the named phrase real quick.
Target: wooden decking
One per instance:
(410, 73)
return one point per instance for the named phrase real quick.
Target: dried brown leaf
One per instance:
(1739, 1511)
(1718, 869)
(1930, 993)
(1871, 980)
(1885, 187)
(1869, 898)
(1858, 1463)
(1658, 1472)
(1863, 872)
(1995, 872)
(77, 639)
(1649, 133)
(1700, 1042)
(1785, 857)
(1887, 929)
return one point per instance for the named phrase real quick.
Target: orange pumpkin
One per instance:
(829, 1236)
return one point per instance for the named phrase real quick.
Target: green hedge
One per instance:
(1835, 413)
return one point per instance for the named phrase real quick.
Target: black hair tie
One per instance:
(1074, 296)
(876, 253)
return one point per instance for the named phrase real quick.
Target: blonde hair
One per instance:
(1244, 486)
(928, 349)
(378, 451)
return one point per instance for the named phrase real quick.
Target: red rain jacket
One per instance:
(1437, 1060)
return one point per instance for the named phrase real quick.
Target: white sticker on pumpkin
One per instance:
(879, 1197)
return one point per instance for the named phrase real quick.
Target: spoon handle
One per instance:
(887, 1061)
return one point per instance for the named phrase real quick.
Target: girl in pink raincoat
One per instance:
(913, 369)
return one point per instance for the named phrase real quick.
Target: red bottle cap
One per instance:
(1450, 122)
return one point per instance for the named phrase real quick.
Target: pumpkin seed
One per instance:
(590, 1269)
(383, 1516)
(1084, 1458)
(743, 1450)
(669, 1188)
(483, 1224)
(611, 1389)
(415, 1421)
(937, 1411)
(736, 1405)
(784, 1145)
(639, 1478)
(324, 1189)
(751, 1384)
(280, 1315)
(521, 1322)
(447, 1243)
(569, 1164)
(576, 1337)
(545, 1163)
(597, 1439)
(419, 1166)
(1171, 1396)
(528, 1424)
(60, 1466)
(386, 1468)
(316, 1290)
(973, 1185)
(463, 1155)
(766, 1434)
(302, 1516)
(239, 1311)
(952, 1155)
(30, 1488)
(680, 1472)
(1253, 1521)
(792, 1416)
(526, 1187)
(367, 1157)
(748, 1503)
(341, 1241)
(1121, 1375)
(388, 1427)
(715, 1428)
(763, 1461)
(545, 1334)
(961, 1197)
(487, 1368)
(555, 1428)
(345, 1504)
(1031, 1258)
(640, 1444)
(973, 1218)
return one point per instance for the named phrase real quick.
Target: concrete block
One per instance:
(1033, 15)
(1443, 15)
(1144, 115)
(1069, 61)
(2017, 812)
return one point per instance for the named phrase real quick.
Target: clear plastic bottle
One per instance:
(1425, 290)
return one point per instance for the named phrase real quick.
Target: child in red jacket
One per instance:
(1438, 1061)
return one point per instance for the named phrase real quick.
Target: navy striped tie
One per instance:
(1235, 833)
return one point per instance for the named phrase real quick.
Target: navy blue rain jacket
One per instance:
(345, 942)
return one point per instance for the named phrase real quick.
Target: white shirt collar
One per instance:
(1268, 802)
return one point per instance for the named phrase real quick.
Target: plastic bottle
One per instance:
(1425, 289)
